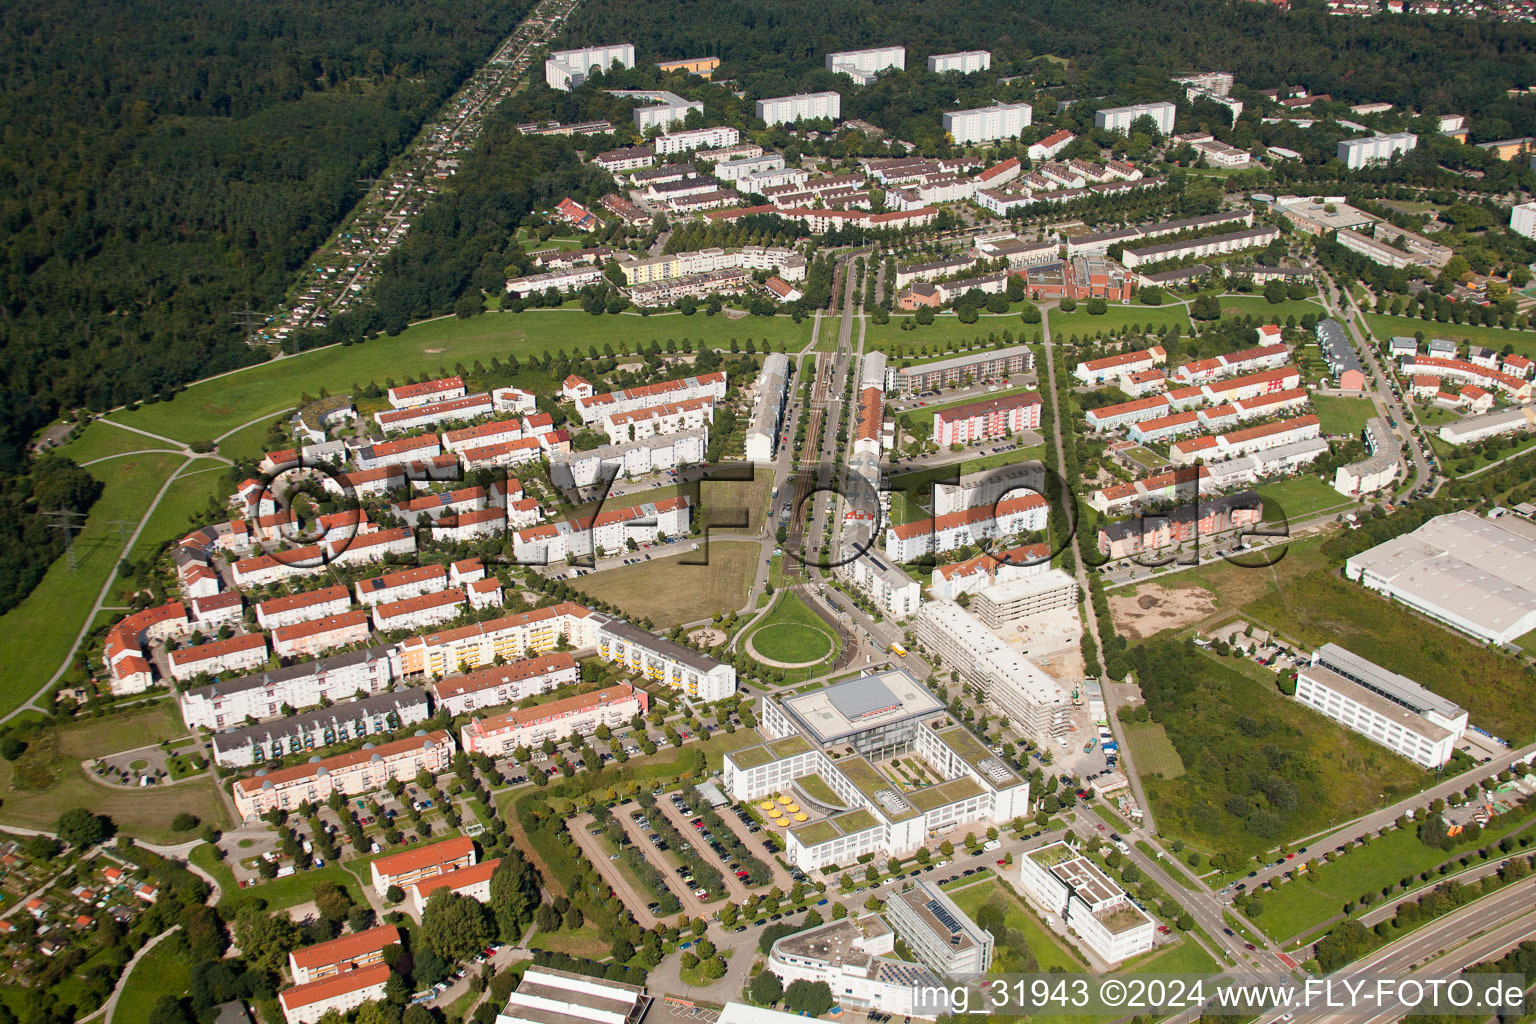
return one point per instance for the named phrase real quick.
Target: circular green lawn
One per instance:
(792, 642)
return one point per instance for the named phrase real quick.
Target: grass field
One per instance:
(1116, 318)
(1319, 607)
(1384, 327)
(1048, 952)
(946, 332)
(48, 779)
(669, 592)
(1344, 417)
(1146, 458)
(1298, 498)
(1343, 774)
(199, 483)
(725, 502)
(165, 971)
(101, 440)
(1259, 306)
(1303, 904)
(217, 406)
(36, 634)
(1152, 750)
(793, 633)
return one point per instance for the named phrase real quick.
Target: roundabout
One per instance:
(792, 636)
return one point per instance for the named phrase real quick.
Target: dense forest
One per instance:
(1122, 50)
(167, 163)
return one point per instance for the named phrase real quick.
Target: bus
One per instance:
(898, 650)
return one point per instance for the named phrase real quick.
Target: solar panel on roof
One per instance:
(945, 918)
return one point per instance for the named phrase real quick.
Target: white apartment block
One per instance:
(598, 406)
(510, 638)
(397, 586)
(420, 611)
(964, 62)
(473, 882)
(567, 69)
(338, 994)
(768, 402)
(505, 684)
(294, 608)
(1120, 119)
(1383, 706)
(228, 703)
(1522, 219)
(411, 866)
(1358, 153)
(973, 574)
(431, 413)
(1061, 881)
(673, 143)
(361, 771)
(735, 170)
(566, 279)
(305, 638)
(609, 532)
(671, 418)
(580, 715)
(988, 124)
(662, 110)
(660, 660)
(806, 106)
(1025, 597)
(909, 541)
(987, 486)
(630, 458)
(863, 65)
(233, 655)
(1031, 699)
(312, 730)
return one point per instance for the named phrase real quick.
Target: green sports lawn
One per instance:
(1384, 327)
(1299, 497)
(1343, 417)
(1259, 306)
(216, 406)
(793, 633)
(1116, 318)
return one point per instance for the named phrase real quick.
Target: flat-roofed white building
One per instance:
(863, 65)
(687, 141)
(988, 124)
(964, 62)
(942, 937)
(1357, 153)
(1060, 880)
(806, 106)
(1475, 574)
(549, 996)
(1025, 596)
(853, 957)
(1120, 119)
(768, 403)
(1034, 701)
(1381, 705)
(566, 69)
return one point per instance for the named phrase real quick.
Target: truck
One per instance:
(1111, 747)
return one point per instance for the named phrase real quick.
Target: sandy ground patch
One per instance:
(1154, 608)
(707, 637)
(1066, 666)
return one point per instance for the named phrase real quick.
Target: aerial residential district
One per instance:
(821, 533)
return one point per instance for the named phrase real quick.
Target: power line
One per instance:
(67, 522)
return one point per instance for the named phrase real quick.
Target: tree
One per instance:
(1274, 292)
(1206, 307)
(80, 828)
(265, 940)
(766, 989)
(168, 1010)
(810, 998)
(453, 926)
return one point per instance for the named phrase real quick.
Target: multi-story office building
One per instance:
(1061, 881)
(1032, 700)
(1386, 707)
(858, 808)
(863, 65)
(942, 937)
(987, 124)
(1357, 153)
(313, 730)
(853, 958)
(808, 106)
(361, 771)
(1120, 119)
(964, 62)
(567, 69)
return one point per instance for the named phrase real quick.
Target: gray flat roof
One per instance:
(310, 720)
(859, 704)
(1397, 688)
